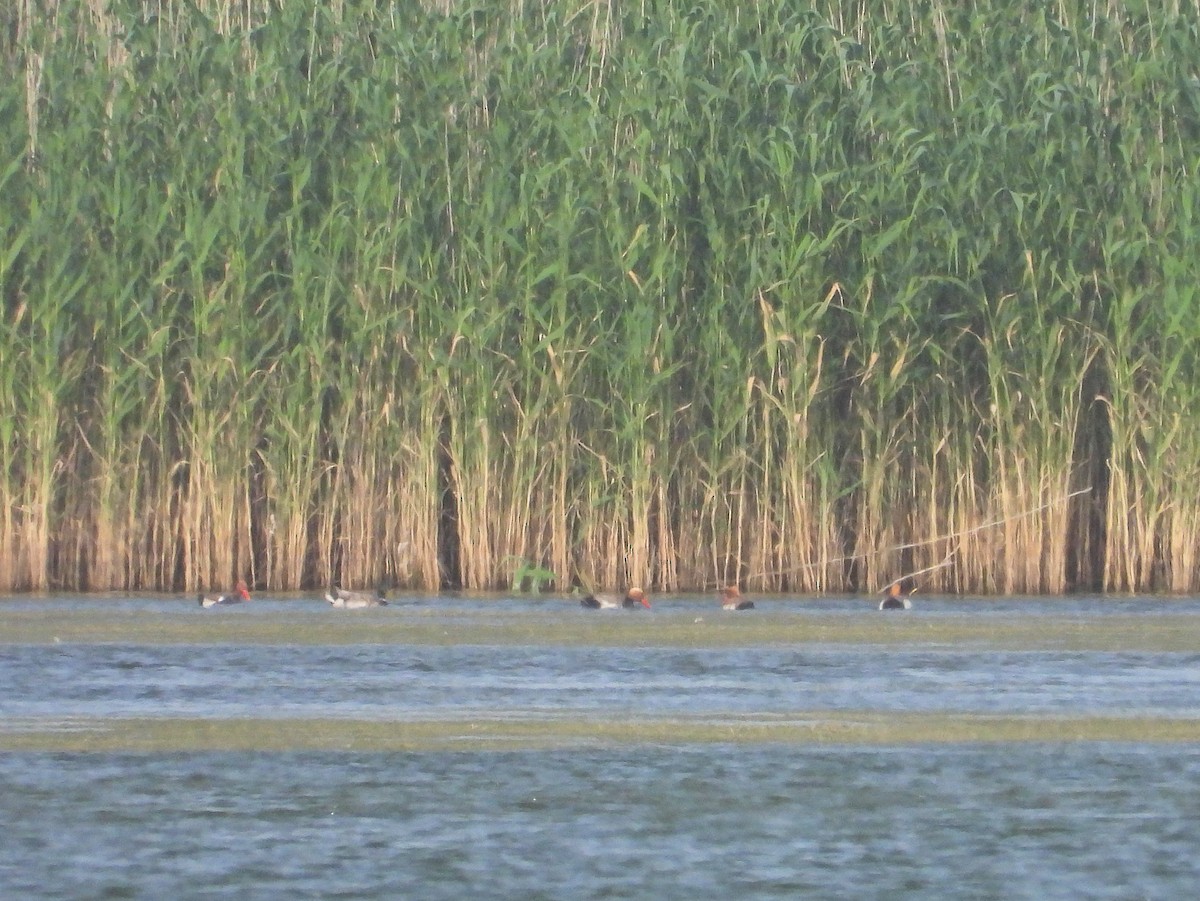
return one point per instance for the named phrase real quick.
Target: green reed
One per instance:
(798, 298)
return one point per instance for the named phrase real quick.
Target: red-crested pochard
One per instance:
(895, 599)
(239, 595)
(631, 599)
(731, 599)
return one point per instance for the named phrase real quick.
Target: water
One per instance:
(560, 808)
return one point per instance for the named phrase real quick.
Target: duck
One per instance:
(731, 599)
(356, 600)
(629, 601)
(239, 595)
(895, 599)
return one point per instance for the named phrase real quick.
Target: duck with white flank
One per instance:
(629, 601)
(731, 599)
(239, 595)
(355, 600)
(895, 599)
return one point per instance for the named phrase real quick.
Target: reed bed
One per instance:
(426, 294)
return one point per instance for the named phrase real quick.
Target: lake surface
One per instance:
(501, 747)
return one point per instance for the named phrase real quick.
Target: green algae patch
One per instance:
(164, 735)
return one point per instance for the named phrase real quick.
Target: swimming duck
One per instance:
(731, 599)
(356, 600)
(239, 595)
(895, 599)
(631, 599)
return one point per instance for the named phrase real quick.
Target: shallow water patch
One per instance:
(160, 735)
(567, 626)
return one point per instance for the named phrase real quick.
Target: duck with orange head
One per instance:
(632, 598)
(732, 599)
(239, 595)
(896, 598)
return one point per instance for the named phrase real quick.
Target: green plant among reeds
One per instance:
(527, 576)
